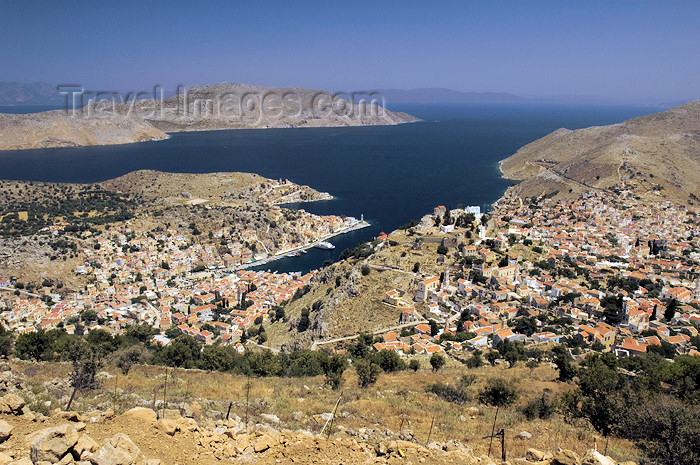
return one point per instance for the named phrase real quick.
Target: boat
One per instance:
(324, 245)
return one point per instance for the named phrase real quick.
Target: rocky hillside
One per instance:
(59, 129)
(218, 106)
(151, 185)
(227, 105)
(656, 155)
(347, 297)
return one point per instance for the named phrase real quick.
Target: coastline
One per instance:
(283, 253)
(61, 143)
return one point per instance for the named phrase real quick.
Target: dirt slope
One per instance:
(655, 155)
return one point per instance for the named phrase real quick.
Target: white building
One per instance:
(475, 210)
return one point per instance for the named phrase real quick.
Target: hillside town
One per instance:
(606, 272)
(171, 279)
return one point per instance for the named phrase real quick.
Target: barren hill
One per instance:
(217, 187)
(59, 129)
(218, 106)
(150, 184)
(654, 155)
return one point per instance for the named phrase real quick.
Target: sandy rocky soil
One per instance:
(141, 436)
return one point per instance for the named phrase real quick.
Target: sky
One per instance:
(646, 51)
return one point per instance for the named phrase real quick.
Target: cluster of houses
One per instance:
(207, 308)
(596, 240)
(129, 251)
(164, 278)
(551, 262)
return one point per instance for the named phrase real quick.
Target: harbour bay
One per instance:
(388, 174)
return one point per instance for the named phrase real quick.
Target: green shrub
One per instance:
(499, 393)
(453, 394)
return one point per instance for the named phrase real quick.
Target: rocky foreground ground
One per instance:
(138, 437)
(142, 436)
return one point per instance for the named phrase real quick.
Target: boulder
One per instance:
(242, 443)
(5, 431)
(69, 416)
(534, 455)
(268, 418)
(143, 414)
(11, 403)
(566, 457)
(593, 457)
(381, 449)
(525, 435)
(66, 460)
(187, 424)
(263, 443)
(84, 446)
(51, 444)
(193, 410)
(169, 427)
(118, 450)
(5, 459)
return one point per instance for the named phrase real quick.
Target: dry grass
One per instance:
(396, 401)
(364, 313)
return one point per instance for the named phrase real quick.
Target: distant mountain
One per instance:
(655, 156)
(575, 99)
(34, 93)
(440, 95)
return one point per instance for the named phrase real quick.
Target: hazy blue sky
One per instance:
(626, 49)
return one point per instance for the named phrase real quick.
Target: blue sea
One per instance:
(389, 174)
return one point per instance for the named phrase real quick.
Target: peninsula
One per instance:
(656, 156)
(115, 119)
(59, 233)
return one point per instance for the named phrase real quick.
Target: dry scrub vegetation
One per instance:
(397, 402)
